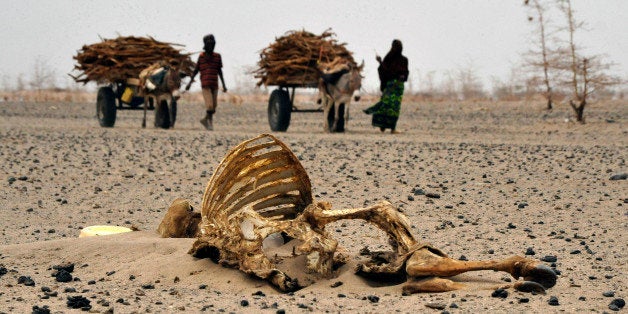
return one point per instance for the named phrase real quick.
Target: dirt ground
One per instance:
(511, 178)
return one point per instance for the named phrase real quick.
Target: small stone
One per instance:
(79, 302)
(148, 286)
(621, 176)
(500, 293)
(530, 251)
(69, 267)
(432, 195)
(202, 286)
(553, 301)
(609, 294)
(25, 280)
(340, 295)
(63, 276)
(617, 304)
(549, 258)
(41, 310)
(259, 293)
(336, 284)
(437, 306)
(373, 298)
(410, 198)
(244, 303)
(524, 300)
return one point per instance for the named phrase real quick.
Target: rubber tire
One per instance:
(106, 107)
(162, 115)
(279, 110)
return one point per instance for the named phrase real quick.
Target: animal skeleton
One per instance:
(261, 190)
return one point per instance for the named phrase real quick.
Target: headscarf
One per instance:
(394, 66)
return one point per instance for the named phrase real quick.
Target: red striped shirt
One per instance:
(209, 66)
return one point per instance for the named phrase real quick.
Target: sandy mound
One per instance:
(478, 180)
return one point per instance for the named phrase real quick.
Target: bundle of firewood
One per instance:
(292, 59)
(114, 60)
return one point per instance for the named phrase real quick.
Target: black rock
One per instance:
(617, 304)
(63, 276)
(202, 286)
(432, 195)
(281, 311)
(336, 284)
(148, 286)
(373, 298)
(609, 294)
(3, 271)
(341, 295)
(25, 280)
(78, 302)
(549, 258)
(40, 310)
(410, 198)
(69, 267)
(530, 251)
(69, 290)
(244, 303)
(500, 293)
(259, 293)
(553, 301)
(524, 300)
(622, 176)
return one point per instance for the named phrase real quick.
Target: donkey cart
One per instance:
(134, 71)
(303, 59)
(127, 95)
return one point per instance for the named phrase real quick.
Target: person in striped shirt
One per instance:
(210, 65)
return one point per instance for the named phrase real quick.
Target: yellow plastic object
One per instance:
(127, 95)
(102, 230)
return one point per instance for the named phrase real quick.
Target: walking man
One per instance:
(210, 65)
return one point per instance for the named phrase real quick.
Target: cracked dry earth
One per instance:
(477, 180)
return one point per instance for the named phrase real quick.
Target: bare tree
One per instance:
(586, 75)
(470, 85)
(42, 76)
(541, 58)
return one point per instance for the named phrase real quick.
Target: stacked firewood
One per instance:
(115, 60)
(292, 59)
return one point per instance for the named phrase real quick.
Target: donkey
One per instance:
(339, 81)
(160, 85)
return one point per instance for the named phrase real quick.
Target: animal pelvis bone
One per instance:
(261, 191)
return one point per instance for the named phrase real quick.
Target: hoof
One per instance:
(541, 274)
(530, 286)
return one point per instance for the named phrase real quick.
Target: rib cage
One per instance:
(261, 173)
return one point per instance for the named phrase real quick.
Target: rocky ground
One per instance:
(479, 180)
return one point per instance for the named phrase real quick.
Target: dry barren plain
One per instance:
(511, 178)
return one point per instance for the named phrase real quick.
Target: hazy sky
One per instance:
(438, 35)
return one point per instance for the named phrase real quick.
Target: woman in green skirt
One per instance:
(393, 72)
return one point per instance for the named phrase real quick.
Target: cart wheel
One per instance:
(279, 110)
(162, 115)
(173, 112)
(106, 107)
